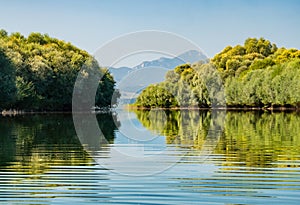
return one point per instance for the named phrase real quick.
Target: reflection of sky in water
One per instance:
(138, 125)
(133, 132)
(137, 151)
(142, 135)
(133, 139)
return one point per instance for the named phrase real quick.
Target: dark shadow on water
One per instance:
(33, 143)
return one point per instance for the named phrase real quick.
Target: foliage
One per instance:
(256, 74)
(156, 96)
(7, 81)
(271, 87)
(197, 85)
(39, 72)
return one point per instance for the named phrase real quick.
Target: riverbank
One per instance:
(132, 107)
(23, 112)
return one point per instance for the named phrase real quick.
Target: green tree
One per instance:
(46, 69)
(156, 96)
(7, 81)
(257, 74)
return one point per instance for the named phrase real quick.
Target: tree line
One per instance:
(38, 72)
(256, 74)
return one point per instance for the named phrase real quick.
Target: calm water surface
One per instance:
(152, 157)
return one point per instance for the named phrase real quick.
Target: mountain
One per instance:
(191, 56)
(119, 73)
(131, 81)
(163, 62)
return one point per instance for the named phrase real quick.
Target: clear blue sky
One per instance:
(212, 24)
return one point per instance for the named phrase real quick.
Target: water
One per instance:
(155, 157)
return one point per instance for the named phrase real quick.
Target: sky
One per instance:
(211, 24)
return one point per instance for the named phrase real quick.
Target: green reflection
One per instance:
(34, 143)
(257, 139)
(183, 128)
(261, 139)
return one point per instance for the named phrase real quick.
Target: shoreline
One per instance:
(22, 112)
(271, 109)
(281, 109)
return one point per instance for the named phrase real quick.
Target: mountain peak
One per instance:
(189, 56)
(192, 56)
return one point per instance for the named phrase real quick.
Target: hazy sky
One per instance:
(211, 24)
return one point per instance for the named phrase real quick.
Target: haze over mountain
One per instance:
(131, 81)
(163, 62)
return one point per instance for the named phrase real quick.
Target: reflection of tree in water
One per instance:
(261, 139)
(248, 138)
(183, 128)
(108, 124)
(7, 142)
(31, 143)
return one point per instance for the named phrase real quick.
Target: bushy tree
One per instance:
(7, 81)
(156, 96)
(39, 72)
(257, 74)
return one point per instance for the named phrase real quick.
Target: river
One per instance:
(151, 157)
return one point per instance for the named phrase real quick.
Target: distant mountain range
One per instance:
(131, 81)
(163, 62)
